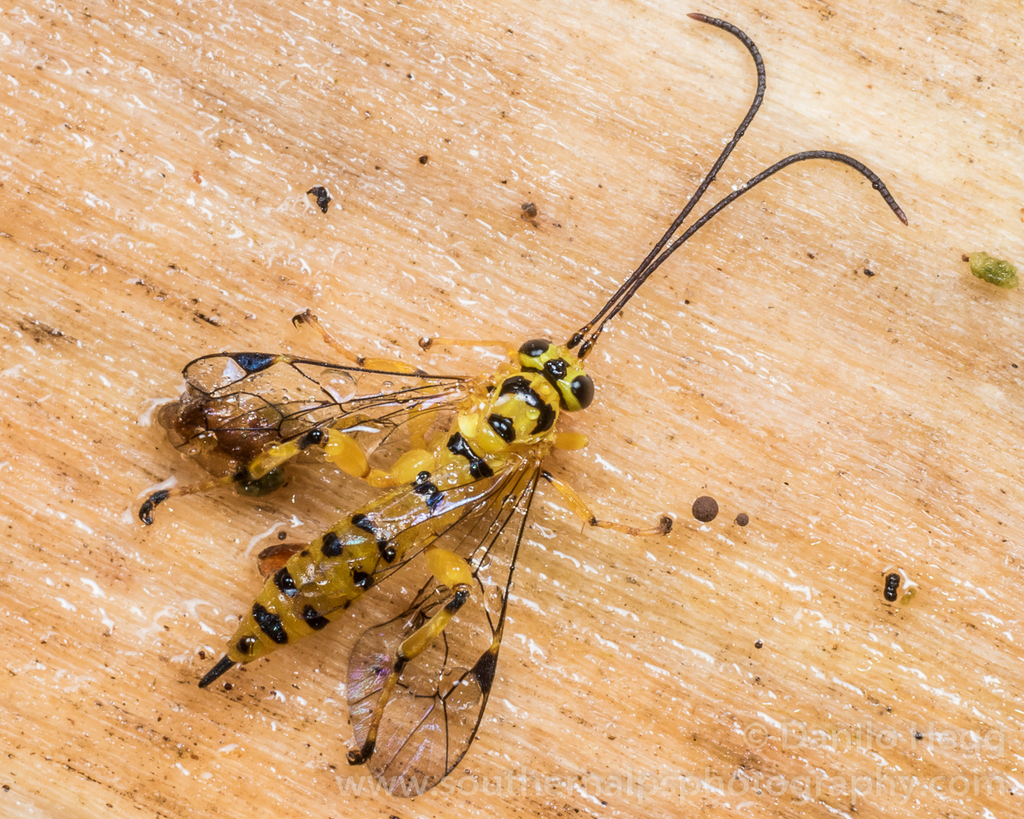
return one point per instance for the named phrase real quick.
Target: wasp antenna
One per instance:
(657, 256)
(225, 664)
(639, 275)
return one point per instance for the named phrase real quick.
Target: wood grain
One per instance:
(153, 169)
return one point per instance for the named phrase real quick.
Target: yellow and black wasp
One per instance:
(452, 506)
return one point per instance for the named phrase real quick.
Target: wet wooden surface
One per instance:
(153, 164)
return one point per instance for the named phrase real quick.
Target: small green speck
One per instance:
(994, 271)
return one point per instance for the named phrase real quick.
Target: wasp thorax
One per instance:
(562, 369)
(521, 410)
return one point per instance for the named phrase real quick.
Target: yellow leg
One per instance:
(340, 449)
(511, 349)
(263, 474)
(389, 365)
(404, 471)
(451, 571)
(154, 500)
(582, 511)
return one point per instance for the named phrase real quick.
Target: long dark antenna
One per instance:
(587, 334)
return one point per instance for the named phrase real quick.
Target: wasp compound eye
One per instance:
(582, 389)
(535, 348)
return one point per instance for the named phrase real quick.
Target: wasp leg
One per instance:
(389, 365)
(414, 467)
(339, 448)
(265, 473)
(451, 571)
(154, 500)
(511, 349)
(582, 511)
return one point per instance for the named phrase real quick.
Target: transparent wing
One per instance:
(237, 404)
(435, 710)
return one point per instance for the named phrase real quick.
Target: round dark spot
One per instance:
(424, 159)
(282, 535)
(529, 210)
(247, 644)
(742, 519)
(758, 644)
(892, 586)
(705, 509)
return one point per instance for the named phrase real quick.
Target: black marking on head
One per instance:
(314, 437)
(431, 495)
(362, 580)
(331, 546)
(313, 618)
(478, 467)
(502, 425)
(555, 370)
(270, 624)
(892, 586)
(484, 670)
(285, 583)
(253, 362)
(246, 644)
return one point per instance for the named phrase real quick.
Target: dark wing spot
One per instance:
(484, 670)
(253, 362)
